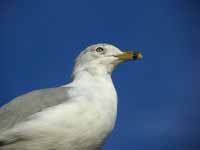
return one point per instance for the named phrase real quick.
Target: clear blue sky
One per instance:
(158, 97)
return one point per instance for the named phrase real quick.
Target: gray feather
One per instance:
(24, 106)
(20, 108)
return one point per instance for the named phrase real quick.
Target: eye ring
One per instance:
(99, 49)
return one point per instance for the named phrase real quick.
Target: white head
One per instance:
(101, 59)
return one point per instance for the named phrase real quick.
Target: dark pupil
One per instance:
(99, 49)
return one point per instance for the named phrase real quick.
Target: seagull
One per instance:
(76, 116)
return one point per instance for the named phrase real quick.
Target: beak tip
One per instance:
(139, 56)
(130, 56)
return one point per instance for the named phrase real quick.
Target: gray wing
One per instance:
(23, 106)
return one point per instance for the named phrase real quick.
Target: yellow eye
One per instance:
(99, 49)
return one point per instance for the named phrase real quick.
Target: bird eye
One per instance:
(99, 49)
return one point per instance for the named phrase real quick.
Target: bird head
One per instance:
(102, 59)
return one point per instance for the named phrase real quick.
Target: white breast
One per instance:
(84, 121)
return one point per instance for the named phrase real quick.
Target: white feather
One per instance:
(82, 122)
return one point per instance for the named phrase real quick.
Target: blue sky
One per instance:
(158, 96)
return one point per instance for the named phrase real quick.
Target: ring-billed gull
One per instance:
(76, 116)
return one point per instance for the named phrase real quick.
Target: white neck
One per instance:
(94, 71)
(96, 84)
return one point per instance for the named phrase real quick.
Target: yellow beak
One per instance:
(130, 56)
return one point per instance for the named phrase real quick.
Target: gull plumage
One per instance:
(77, 116)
